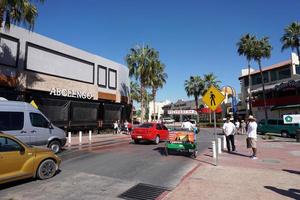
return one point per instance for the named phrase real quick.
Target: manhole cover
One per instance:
(143, 192)
(272, 161)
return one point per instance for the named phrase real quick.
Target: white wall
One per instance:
(49, 58)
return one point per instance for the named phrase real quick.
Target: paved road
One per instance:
(106, 173)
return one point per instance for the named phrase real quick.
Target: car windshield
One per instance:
(146, 125)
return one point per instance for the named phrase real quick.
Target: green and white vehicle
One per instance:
(277, 126)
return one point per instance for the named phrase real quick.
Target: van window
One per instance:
(272, 122)
(280, 122)
(7, 144)
(38, 120)
(11, 121)
(262, 121)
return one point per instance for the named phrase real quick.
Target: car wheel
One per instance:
(55, 146)
(47, 169)
(136, 141)
(157, 139)
(284, 133)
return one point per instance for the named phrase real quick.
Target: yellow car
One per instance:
(19, 161)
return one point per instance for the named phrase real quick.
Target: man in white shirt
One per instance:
(252, 135)
(187, 125)
(229, 130)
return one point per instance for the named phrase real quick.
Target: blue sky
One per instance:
(193, 37)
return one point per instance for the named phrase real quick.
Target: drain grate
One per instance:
(143, 192)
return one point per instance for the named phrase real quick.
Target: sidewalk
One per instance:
(96, 138)
(274, 175)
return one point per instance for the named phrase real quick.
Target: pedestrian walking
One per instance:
(243, 127)
(119, 127)
(126, 127)
(237, 126)
(116, 127)
(252, 135)
(229, 130)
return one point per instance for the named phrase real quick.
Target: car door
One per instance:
(159, 131)
(262, 126)
(272, 126)
(13, 156)
(12, 123)
(165, 132)
(40, 128)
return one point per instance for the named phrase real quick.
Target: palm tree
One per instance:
(134, 91)
(194, 87)
(291, 38)
(245, 48)
(139, 63)
(157, 78)
(18, 12)
(210, 80)
(262, 49)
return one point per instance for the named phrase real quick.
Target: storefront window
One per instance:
(274, 75)
(256, 79)
(284, 73)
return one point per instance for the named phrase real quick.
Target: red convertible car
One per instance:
(155, 132)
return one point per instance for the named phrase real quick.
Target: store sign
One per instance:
(182, 112)
(291, 119)
(70, 93)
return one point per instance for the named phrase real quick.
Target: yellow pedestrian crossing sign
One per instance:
(213, 98)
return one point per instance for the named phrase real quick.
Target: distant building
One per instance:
(157, 113)
(282, 86)
(181, 110)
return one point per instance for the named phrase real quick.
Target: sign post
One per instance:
(213, 98)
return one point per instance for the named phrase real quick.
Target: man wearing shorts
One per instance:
(252, 135)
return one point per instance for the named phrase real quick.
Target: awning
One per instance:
(285, 107)
(267, 87)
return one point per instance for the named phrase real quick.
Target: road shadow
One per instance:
(203, 161)
(161, 150)
(239, 154)
(292, 141)
(23, 181)
(291, 171)
(143, 143)
(208, 155)
(16, 183)
(291, 193)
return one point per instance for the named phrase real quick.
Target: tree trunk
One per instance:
(249, 94)
(263, 87)
(154, 94)
(142, 103)
(196, 102)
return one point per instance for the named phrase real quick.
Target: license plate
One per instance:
(139, 137)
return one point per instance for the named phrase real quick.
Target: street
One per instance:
(105, 173)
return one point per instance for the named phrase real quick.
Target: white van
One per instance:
(28, 124)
